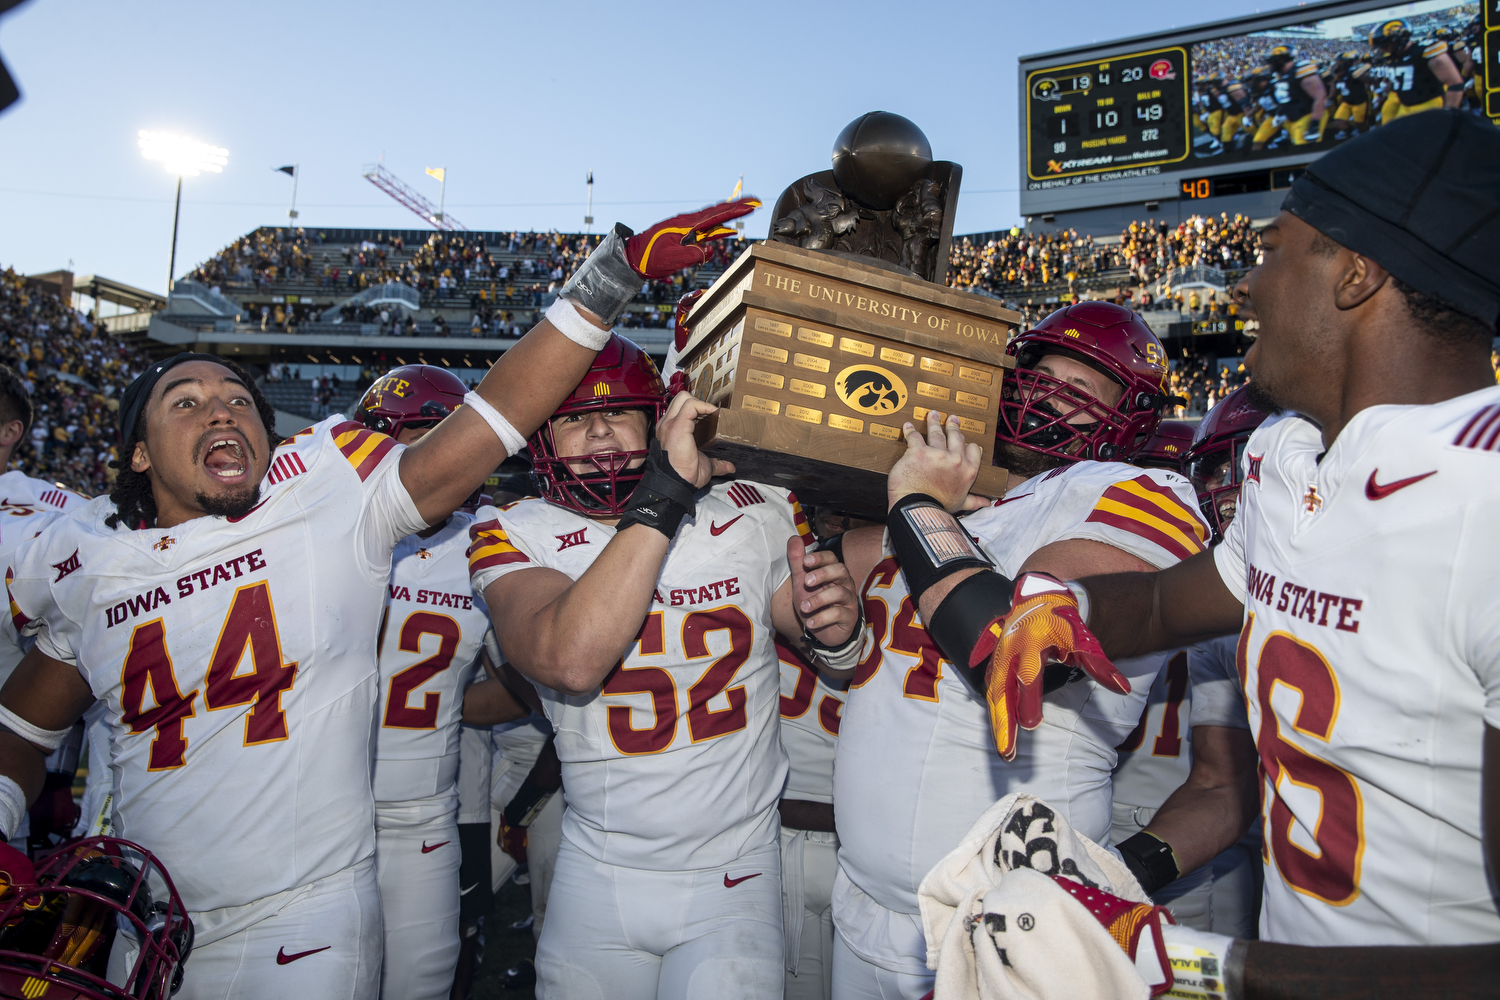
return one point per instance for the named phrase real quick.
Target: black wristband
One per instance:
(929, 542)
(1150, 860)
(962, 617)
(662, 498)
(518, 809)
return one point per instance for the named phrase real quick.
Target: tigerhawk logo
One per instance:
(870, 389)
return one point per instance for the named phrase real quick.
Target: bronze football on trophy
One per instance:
(878, 157)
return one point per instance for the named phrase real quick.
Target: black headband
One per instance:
(1421, 196)
(133, 401)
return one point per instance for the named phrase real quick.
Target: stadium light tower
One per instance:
(185, 158)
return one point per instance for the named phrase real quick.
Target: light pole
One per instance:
(185, 158)
(588, 213)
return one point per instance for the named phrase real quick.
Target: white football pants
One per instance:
(809, 862)
(856, 979)
(630, 934)
(320, 940)
(417, 857)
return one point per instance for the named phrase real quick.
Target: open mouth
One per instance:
(227, 458)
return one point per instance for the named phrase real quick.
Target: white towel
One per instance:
(999, 928)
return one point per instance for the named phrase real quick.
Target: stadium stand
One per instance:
(76, 371)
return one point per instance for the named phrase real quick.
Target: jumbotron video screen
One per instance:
(1240, 98)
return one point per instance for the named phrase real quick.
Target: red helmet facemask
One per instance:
(57, 929)
(1215, 454)
(623, 377)
(1041, 413)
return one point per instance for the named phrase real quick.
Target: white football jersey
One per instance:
(430, 640)
(18, 522)
(675, 764)
(1196, 686)
(20, 491)
(237, 661)
(811, 710)
(1371, 663)
(916, 763)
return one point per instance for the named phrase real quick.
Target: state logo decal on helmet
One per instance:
(1045, 414)
(623, 377)
(410, 397)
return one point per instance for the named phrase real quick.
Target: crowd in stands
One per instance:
(75, 372)
(1025, 269)
(264, 257)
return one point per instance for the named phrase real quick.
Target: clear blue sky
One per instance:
(667, 103)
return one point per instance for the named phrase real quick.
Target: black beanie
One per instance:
(1420, 196)
(133, 401)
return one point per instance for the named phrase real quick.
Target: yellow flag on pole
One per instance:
(436, 172)
(739, 186)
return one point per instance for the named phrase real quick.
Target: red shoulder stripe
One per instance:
(1169, 542)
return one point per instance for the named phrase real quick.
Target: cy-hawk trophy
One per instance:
(819, 343)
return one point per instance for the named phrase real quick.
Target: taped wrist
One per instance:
(605, 283)
(526, 803)
(570, 323)
(1150, 860)
(929, 542)
(12, 806)
(958, 622)
(662, 498)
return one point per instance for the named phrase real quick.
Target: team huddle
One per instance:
(1145, 724)
(1289, 99)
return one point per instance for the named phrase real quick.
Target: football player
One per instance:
(1351, 82)
(431, 637)
(1299, 96)
(224, 600)
(1422, 75)
(916, 761)
(1194, 733)
(643, 603)
(1359, 567)
(811, 706)
(20, 493)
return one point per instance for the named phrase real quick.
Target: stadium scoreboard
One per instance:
(1192, 114)
(1107, 115)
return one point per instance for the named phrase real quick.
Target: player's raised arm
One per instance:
(529, 381)
(568, 634)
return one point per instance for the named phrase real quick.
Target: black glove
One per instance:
(662, 498)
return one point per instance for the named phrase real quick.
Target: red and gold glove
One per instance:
(512, 840)
(682, 241)
(1043, 626)
(681, 331)
(1135, 927)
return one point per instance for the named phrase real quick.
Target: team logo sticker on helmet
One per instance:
(1162, 70)
(870, 389)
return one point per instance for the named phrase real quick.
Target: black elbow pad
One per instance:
(963, 615)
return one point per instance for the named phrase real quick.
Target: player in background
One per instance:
(18, 490)
(811, 707)
(643, 604)
(1373, 494)
(225, 602)
(1194, 731)
(431, 641)
(1422, 74)
(1351, 83)
(1298, 96)
(916, 759)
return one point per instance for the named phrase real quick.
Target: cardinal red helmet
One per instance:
(1167, 447)
(1213, 459)
(57, 928)
(623, 377)
(1038, 412)
(408, 397)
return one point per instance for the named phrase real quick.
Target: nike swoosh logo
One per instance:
(465, 892)
(1375, 491)
(282, 958)
(429, 850)
(730, 883)
(716, 530)
(1015, 624)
